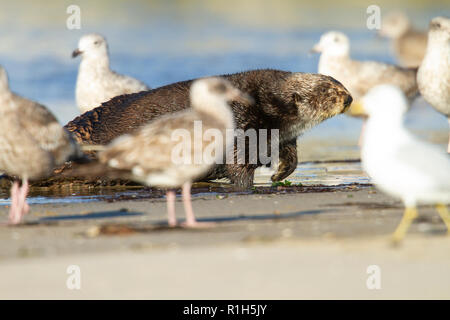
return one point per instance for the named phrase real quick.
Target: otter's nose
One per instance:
(348, 101)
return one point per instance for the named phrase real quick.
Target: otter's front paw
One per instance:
(284, 170)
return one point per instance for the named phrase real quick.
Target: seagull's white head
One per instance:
(208, 92)
(385, 101)
(333, 43)
(92, 46)
(394, 25)
(4, 86)
(439, 31)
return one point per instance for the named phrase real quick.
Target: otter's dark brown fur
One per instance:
(290, 102)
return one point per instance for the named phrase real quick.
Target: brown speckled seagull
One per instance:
(360, 76)
(408, 43)
(155, 155)
(434, 72)
(32, 143)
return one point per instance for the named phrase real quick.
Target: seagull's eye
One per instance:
(96, 42)
(220, 88)
(336, 39)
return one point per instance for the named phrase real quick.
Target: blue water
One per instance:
(161, 42)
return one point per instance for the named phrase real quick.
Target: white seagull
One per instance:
(360, 76)
(96, 82)
(399, 163)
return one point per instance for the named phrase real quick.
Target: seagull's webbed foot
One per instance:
(408, 216)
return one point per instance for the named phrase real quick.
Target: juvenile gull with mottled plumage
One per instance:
(409, 44)
(96, 82)
(32, 143)
(434, 72)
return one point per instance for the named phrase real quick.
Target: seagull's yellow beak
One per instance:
(356, 109)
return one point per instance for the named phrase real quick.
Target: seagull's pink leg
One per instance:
(21, 204)
(186, 193)
(23, 197)
(191, 222)
(14, 210)
(170, 198)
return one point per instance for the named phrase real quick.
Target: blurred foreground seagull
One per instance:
(32, 143)
(409, 44)
(155, 156)
(399, 163)
(360, 76)
(96, 82)
(434, 72)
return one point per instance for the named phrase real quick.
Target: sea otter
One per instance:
(291, 102)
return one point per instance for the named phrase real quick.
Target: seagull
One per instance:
(149, 154)
(399, 163)
(96, 82)
(32, 143)
(360, 76)
(434, 72)
(409, 44)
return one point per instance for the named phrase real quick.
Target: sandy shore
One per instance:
(272, 246)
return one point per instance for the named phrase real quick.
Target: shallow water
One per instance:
(326, 174)
(161, 42)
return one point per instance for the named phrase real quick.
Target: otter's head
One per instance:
(439, 31)
(394, 25)
(317, 97)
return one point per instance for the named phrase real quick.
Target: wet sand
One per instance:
(271, 246)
